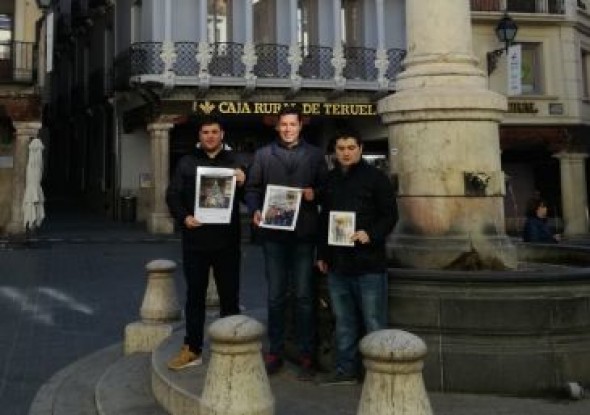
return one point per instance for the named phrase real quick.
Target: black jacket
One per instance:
(365, 190)
(180, 197)
(536, 230)
(300, 166)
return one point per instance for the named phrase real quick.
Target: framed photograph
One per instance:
(281, 207)
(214, 194)
(341, 227)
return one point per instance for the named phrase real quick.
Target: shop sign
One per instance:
(522, 107)
(273, 108)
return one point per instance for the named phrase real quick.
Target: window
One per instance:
(531, 69)
(351, 23)
(585, 74)
(264, 21)
(219, 21)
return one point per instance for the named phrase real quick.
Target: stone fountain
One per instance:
(496, 328)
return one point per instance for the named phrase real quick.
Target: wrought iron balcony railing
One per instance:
(272, 62)
(519, 6)
(18, 62)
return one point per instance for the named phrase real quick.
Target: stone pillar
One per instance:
(236, 381)
(159, 220)
(158, 311)
(443, 121)
(25, 132)
(574, 197)
(393, 384)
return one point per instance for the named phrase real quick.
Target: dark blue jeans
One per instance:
(356, 299)
(285, 262)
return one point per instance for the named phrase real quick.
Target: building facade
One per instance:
(129, 77)
(20, 104)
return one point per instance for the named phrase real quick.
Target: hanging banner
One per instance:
(514, 70)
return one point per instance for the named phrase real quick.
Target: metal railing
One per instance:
(272, 62)
(18, 62)
(519, 6)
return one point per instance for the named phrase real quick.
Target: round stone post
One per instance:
(236, 382)
(443, 129)
(393, 382)
(158, 310)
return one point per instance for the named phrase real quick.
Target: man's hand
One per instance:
(256, 218)
(240, 176)
(360, 236)
(322, 266)
(308, 194)
(191, 222)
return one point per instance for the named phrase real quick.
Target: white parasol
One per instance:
(33, 201)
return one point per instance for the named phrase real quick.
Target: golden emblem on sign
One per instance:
(207, 107)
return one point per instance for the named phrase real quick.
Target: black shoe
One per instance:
(338, 378)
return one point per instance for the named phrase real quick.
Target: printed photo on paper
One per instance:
(281, 207)
(341, 228)
(214, 194)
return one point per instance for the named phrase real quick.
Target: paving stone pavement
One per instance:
(72, 289)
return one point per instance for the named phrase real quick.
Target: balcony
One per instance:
(519, 6)
(18, 62)
(272, 62)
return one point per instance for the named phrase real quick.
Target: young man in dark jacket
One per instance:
(205, 246)
(289, 161)
(357, 276)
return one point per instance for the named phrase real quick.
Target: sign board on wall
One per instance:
(273, 108)
(514, 70)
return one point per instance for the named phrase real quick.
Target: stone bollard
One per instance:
(236, 381)
(393, 383)
(212, 296)
(158, 310)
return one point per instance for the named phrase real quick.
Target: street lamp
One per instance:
(505, 32)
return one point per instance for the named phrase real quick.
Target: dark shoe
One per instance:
(273, 363)
(306, 371)
(338, 378)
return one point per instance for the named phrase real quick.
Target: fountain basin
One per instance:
(524, 332)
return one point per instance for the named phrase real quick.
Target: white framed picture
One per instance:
(281, 207)
(341, 228)
(214, 194)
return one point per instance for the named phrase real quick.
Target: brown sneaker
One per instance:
(184, 359)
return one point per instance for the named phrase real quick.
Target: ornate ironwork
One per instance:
(360, 64)
(316, 63)
(227, 59)
(18, 62)
(186, 59)
(519, 6)
(144, 59)
(272, 61)
(396, 58)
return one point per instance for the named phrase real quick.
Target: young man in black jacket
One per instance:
(205, 246)
(357, 276)
(289, 255)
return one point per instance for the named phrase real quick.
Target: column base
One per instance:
(160, 223)
(452, 252)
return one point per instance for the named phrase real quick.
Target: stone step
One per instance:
(125, 388)
(71, 390)
(178, 391)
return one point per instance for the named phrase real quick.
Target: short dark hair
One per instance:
(348, 134)
(532, 205)
(209, 120)
(291, 110)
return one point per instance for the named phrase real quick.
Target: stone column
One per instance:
(444, 123)
(574, 197)
(25, 132)
(236, 381)
(393, 383)
(159, 220)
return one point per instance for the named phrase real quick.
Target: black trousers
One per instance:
(226, 271)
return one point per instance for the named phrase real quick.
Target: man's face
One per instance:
(210, 137)
(289, 127)
(348, 152)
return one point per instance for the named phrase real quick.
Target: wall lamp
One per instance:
(505, 32)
